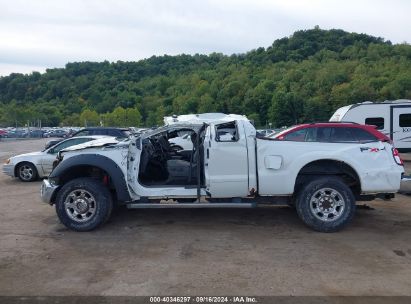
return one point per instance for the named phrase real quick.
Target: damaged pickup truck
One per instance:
(228, 167)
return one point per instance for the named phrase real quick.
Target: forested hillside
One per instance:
(303, 78)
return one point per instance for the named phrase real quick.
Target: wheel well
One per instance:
(87, 171)
(16, 167)
(329, 167)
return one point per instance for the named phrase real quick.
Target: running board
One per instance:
(190, 205)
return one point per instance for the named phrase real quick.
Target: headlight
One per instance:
(7, 161)
(53, 181)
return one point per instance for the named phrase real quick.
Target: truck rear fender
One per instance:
(329, 167)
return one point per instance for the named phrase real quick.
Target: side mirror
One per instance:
(51, 151)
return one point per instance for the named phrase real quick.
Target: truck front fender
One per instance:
(67, 167)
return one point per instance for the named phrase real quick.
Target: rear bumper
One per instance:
(405, 184)
(47, 191)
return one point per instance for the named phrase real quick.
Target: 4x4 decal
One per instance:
(362, 149)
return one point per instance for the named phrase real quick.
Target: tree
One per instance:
(89, 118)
(71, 121)
(300, 78)
(121, 117)
(286, 109)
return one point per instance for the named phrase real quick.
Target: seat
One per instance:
(182, 171)
(178, 168)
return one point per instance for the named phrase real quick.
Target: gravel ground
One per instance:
(191, 252)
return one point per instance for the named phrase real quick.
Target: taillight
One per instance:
(397, 157)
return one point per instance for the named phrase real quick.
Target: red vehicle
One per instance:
(2, 132)
(332, 132)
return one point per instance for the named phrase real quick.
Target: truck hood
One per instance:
(93, 144)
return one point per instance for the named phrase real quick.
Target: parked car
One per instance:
(264, 132)
(17, 133)
(331, 132)
(392, 118)
(56, 133)
(30, 166)
(2, 133)
(322, 180)
(34, 133)
(182, 142)
(119, 133)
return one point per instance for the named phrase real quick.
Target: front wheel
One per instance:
(27, 172)
(326, 204)
(83, 204)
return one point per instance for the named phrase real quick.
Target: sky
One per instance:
(40, 34)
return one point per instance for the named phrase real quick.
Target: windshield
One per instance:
(68, 143)
(283, 132)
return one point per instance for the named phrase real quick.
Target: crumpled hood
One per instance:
(93, 143)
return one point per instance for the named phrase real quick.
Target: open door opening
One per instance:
(172, 158)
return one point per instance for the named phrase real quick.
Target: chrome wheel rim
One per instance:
(327, 204)
(26, 172)
(80, 205)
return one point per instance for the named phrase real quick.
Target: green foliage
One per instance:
(121, 117)
(301, 78)
(89, 118)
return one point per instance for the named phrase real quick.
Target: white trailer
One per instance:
(392, 118)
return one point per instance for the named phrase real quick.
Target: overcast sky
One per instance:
(40, 34)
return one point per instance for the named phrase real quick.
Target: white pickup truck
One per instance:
(228, 167)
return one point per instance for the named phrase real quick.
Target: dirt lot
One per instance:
(191, 252)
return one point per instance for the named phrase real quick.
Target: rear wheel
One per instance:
(326, 204)
(83, 204)
(26, 172)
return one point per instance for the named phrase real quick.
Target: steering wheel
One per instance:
(159, 152)
(150, 148)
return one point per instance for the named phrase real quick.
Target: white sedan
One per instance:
(30, 166)
(182, 142)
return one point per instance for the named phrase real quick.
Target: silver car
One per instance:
(30, 166)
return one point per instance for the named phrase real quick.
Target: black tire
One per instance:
(334, 193)
(26, 172)
(101, 204)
